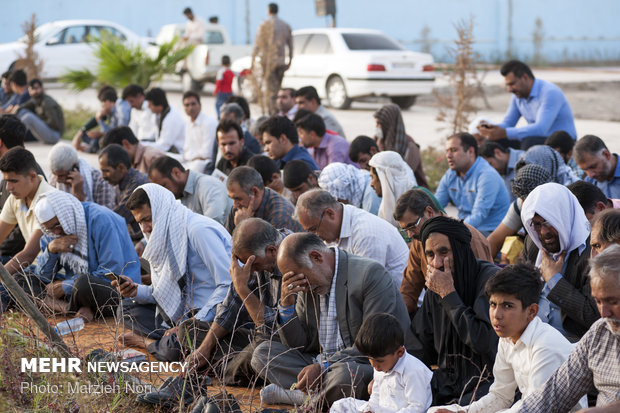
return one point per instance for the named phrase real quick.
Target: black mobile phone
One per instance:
(111, 276)
(486, 125)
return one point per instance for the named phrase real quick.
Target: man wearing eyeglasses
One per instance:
(19, 170)
(354, 230)
(412, 210)
(558, 227)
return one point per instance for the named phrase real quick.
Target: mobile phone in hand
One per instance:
(111, 276)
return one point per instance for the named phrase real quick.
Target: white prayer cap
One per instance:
(43, 210)
(473, 126)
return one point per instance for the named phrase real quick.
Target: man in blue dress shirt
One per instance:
(472, 185)
(282, 142)
(599, 164)
(542, 104)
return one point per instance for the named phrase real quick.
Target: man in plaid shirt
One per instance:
(594, 364)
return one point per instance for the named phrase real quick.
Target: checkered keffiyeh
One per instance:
(527, 178)
(344, 181)
(70, 214)
(166, 249)
(329, 330)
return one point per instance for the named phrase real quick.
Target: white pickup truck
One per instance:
(206, 59)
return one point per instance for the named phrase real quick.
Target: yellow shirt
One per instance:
(15, 211)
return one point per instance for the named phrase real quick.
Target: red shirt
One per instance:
(223, 82)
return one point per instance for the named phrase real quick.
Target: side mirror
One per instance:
(53, 41)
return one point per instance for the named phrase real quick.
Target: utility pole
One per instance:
(247, 22)
(509, 25)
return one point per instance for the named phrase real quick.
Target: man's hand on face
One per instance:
(74, 178)
(64, 243)
(241, 275)
(549, 267)
(438, 281)
(291, 285)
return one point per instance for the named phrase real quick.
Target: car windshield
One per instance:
(370, 41)
(41, 32)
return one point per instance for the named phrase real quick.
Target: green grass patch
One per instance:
(75, 119)
(435, 165)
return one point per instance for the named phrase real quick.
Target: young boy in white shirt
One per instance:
(529, 351)
(402, 383)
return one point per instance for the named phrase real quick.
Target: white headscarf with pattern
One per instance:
(166, 249)
(72, 218)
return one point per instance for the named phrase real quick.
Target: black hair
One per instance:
(380, 335)
(588, 195)
(6, 75)
(295, 173)
(227, 125)
(301, 113)
(415, 200)
(517, 68)
(187, 10)
(225, 60)
(312, 122)
(265, 166)
(18, 77)
(132, 91)
(467, 141)
(609, 223)
(246, 178)
(107, 93)
(241, 101)
(309, 93)
(273, 8)
(19, 161)
(191, 94)
(521, 280)
(361, 144)
(116, 155)
(12, 131)
(157, 97)
(137, 200)
(487, 149)
(280, 125)
(35, 81)
(164, 165)
(117, 135)
(562, 141)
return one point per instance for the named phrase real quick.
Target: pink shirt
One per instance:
(333, 148)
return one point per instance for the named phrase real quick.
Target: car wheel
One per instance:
(404, 102)
(337, 93)
(190, 84)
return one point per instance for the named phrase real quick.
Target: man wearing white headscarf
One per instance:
(350, 185)
(391, 177)
(189, 255)
(86, 241)
(557, 225)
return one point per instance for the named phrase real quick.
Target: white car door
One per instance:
(313, 65)
(66, 50)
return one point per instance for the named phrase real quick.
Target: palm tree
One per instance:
(120, 64)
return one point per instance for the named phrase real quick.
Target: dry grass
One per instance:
(435, 165)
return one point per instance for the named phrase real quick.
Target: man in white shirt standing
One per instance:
(195, 28)
(169, 122)
(529, 351)
(354, 230)
(200, 142)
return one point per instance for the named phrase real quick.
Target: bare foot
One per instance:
(86, 314)
(134, 340)
(55, 305)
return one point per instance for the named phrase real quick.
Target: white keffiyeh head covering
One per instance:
(166, 249)
(71, 217)
(396, 178)
(344, 181)
(557, 205)
(87, 174)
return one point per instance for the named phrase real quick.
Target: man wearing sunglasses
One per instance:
(412, 210)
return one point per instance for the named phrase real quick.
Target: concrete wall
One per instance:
(572, 30)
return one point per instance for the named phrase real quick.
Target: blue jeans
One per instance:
(38, 128)
(220, 99)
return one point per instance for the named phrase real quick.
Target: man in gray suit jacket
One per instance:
(336, 293)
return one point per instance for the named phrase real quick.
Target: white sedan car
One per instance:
(348, 64)
(63, 45)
